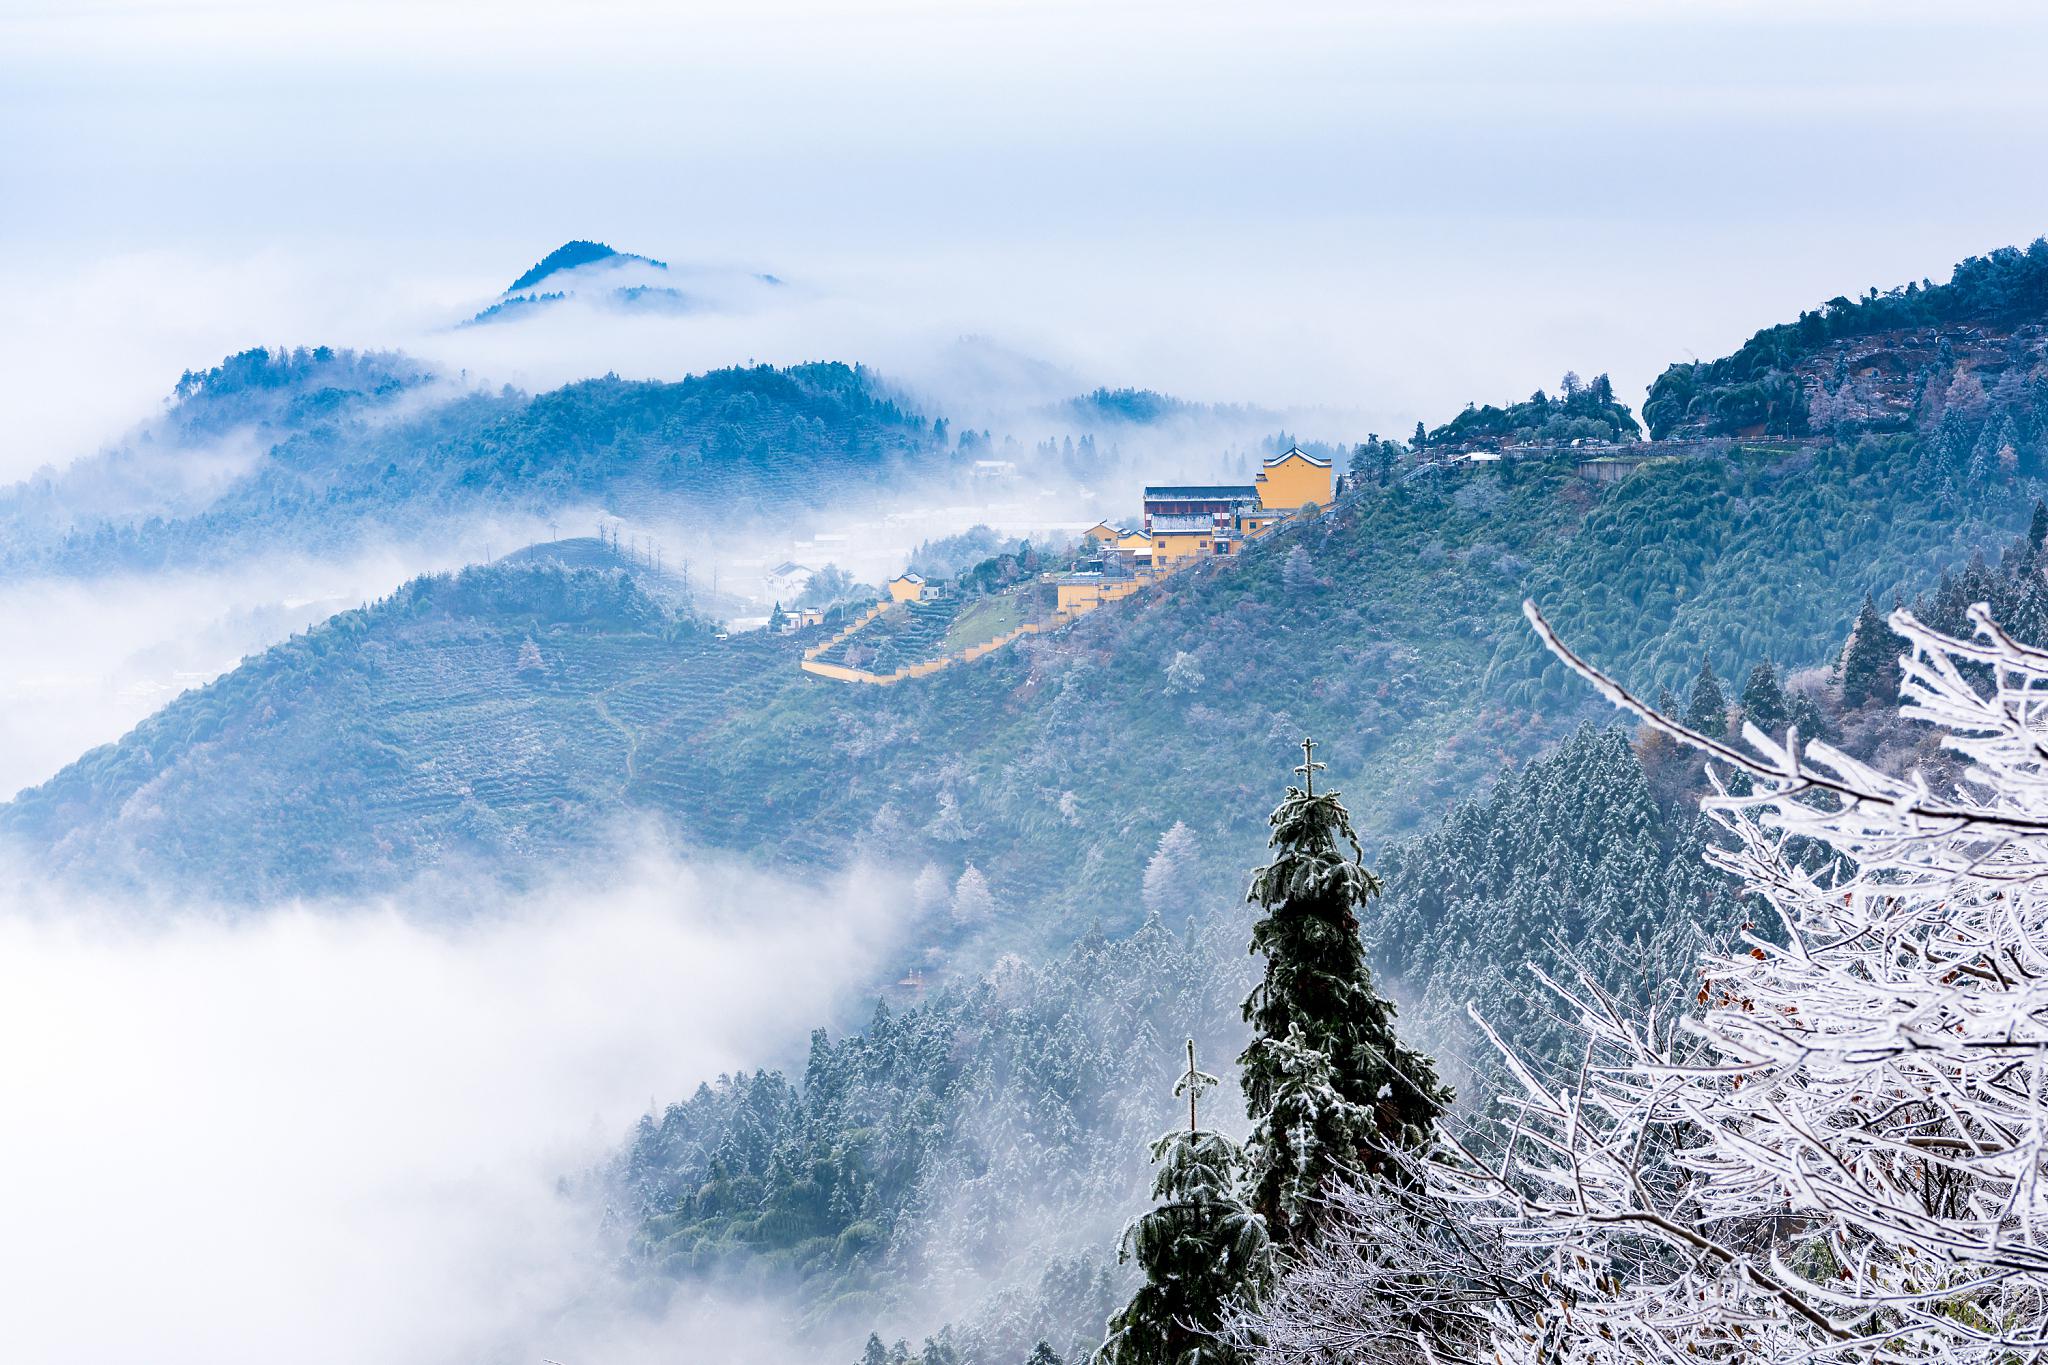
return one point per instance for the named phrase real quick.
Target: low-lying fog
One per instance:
(335, 1134)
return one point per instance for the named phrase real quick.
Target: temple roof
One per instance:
(1294, 452)
(1202, 492)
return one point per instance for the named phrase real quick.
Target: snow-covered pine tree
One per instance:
(1171, 877)
(1763, 701)
(1327, 1083)
(1204, 1254)
(1706, 710)
(973, 902)
(1870, 665)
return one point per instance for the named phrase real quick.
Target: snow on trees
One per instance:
(1843, 1154)
(1172, 878)
(1763, 701)
(1706, 710)
(1203, 1253)
(1327, 1084)
(930, 890)
(1298, 570)
(973, 902)
(1870, 660)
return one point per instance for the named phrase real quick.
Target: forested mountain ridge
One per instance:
(1878, 362)
(339, 469)
(986, 1142)
(1389, 627)
(214, 429)
(489, 715)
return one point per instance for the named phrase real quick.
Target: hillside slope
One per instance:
(339, 463)
(382, 743)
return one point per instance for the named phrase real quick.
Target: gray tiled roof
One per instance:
(1202, 492)
(1315, 460)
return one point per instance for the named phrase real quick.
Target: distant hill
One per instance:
(570, 255)
(335, 464)
(621, 282)
(213, 434)
(497, 714)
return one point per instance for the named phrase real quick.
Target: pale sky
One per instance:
(1385, 209)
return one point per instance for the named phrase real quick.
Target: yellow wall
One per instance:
(1255, 523)
(1295, 482)
(1134, 540)
(903, 590)
(1101, 530)
(1078, 599)
(1170, 549)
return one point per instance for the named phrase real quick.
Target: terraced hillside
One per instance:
(913, 633)
(503, 715)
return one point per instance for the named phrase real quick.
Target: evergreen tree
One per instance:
(1172, 878)
(1763, 701)
(1298, 571)
(1203, 1252)
(1870, 665)
(1806, 714)
(973, 903)
(1327, 1083)
(1044, 1354)
(2037, 532)
(1707, 709)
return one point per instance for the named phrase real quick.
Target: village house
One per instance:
(788, 578)
(909, 587)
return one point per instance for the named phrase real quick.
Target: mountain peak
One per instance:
(570, 255)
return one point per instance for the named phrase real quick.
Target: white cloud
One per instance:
(334, 1135)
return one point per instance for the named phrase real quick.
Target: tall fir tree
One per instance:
(2037, 530)
(1870, 665)
(1203, 1252)
(1706, 710)
(1763, 701)
(1329, 1087)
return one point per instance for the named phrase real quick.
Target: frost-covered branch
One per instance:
(1841, 1155)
